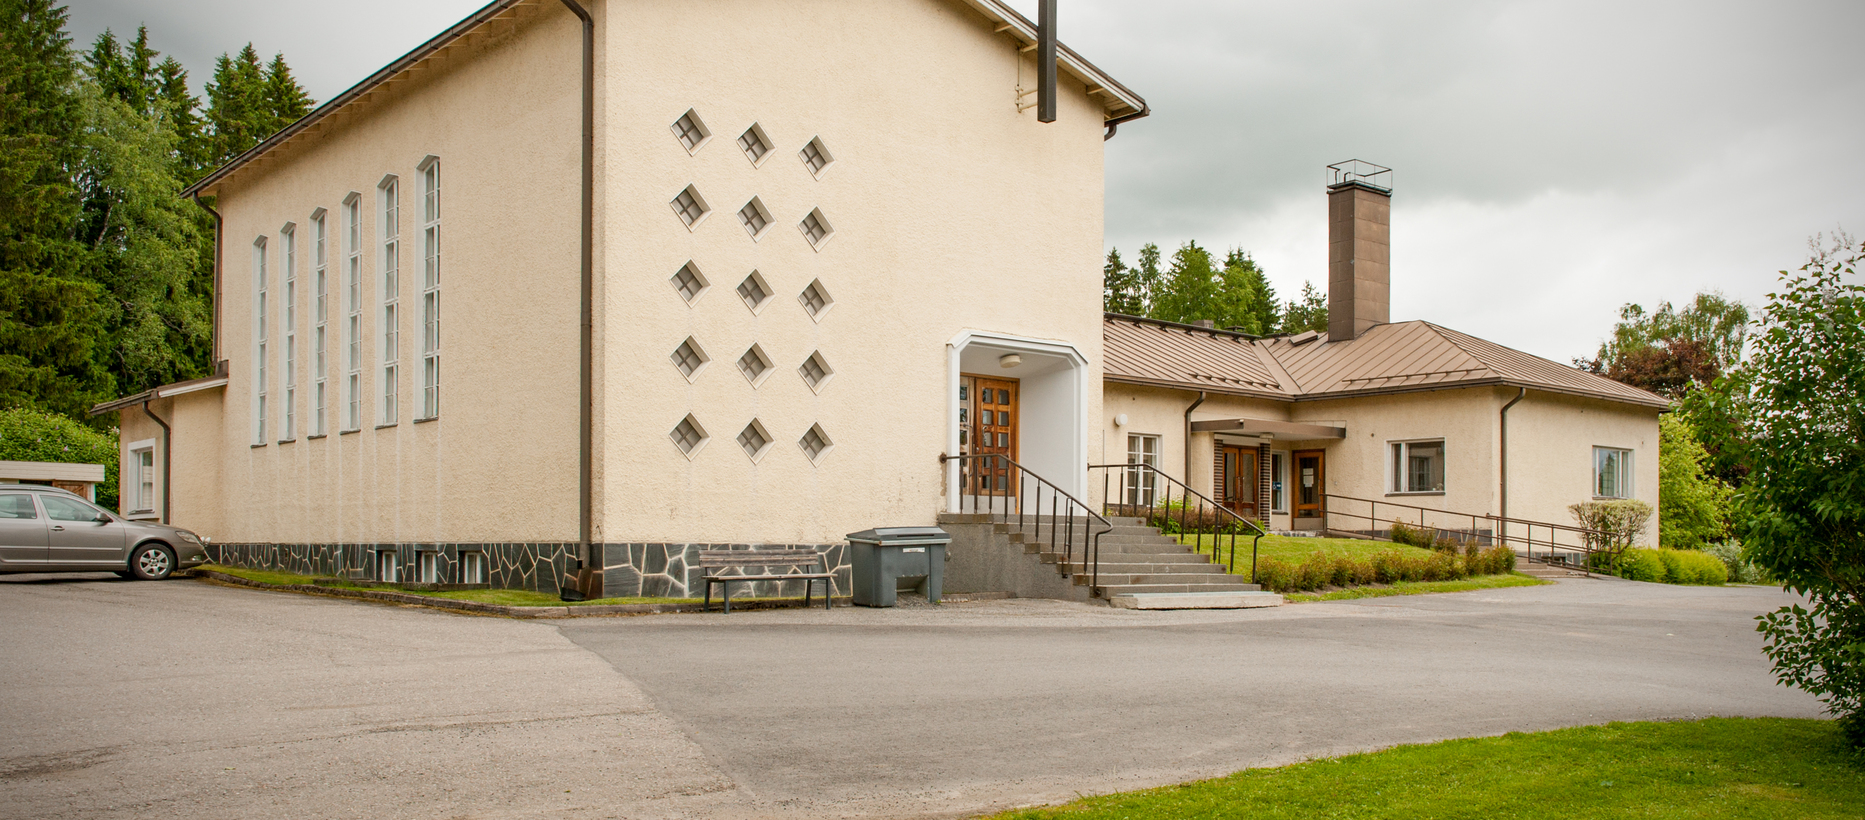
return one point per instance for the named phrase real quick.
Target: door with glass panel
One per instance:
(988, 424)
(1141, 485)
(1237, 479)
(1310, 483)
(22, 532)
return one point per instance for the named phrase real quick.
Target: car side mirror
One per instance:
(102, 518)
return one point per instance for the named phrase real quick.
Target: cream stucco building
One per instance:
(795, 232)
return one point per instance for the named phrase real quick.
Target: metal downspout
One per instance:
(168, 472)
(1188, 437)
(586, 400)
(217, 254)
(1502, 458)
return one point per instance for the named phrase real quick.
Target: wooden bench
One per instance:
(712, 561)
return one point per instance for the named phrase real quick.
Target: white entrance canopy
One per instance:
(1294, 431)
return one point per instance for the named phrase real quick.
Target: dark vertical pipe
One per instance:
(586, 402)
(167, 473)
(1188, 437)
(1502, 454)
(1046, 62)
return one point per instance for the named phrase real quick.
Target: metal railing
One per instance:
(1145, 492)
(1577, 551)
(998, 486)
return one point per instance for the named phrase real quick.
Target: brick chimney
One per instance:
(1359, 229)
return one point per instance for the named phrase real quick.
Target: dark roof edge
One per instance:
(1663, 403)
(421, 52)
(1142, 320)
(1193, 387)
(1027, 29)
(218, 379)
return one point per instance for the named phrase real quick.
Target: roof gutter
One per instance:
(168, 460)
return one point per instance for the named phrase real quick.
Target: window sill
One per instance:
(1421, 492)
(386, 426)
(1612, 498)
(347, 432)
(318, 436)
(286, 440)
(259, 445)
(426, 420)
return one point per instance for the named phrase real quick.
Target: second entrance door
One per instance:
(991, 405)
(1238, 479)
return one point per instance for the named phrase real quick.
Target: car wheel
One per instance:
(152, 562)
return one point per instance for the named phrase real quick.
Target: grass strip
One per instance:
(1712, 768)
(1514, 579)
(1291, 549)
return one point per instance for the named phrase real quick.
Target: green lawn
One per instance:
(1417, 588)
(499, 597)
(1714, 768)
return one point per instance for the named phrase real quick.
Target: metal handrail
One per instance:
(1588, 537)
(1016, 493)
(1186, 494)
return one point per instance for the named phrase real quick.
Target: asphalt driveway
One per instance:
(181, 699)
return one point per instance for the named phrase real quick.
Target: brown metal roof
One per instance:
(1389, 358)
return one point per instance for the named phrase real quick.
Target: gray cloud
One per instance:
(1553, 159)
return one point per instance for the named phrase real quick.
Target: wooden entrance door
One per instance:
(1310, 483)
(993, 430)
(1238, 479)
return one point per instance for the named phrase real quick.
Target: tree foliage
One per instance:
(1234, 293)
(1693, 507)
(35, 435)
(1801, 398)
(106, 274)
(1310, 312)
(1667, 351)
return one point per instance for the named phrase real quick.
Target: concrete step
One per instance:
(1195, 600)
(1147, 568)
(1107, 592)
(1152, 578)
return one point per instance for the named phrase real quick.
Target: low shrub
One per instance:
(1403, 533)
(1620, 523)
(1662, 566)
(1641, 564)
(1323, 570)
(1740, 570)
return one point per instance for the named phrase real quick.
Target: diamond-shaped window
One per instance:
(755, 291)
(691, 207)
(691, 131)
(816, 157)
(815, 299)
(689, 358)
(754, 440)
(754, 364)
(689, 282)
(816, 229)
(755, 218)
(815, 371)
(688, 435)
(755, 145)
(815, 443)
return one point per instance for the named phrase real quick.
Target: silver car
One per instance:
(45, 529)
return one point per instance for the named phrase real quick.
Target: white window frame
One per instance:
(1140, 488)
(388, 567)
(430, 288)
(1279, 481)
(142, 477)
(472, 567)
(1398, 472)
(353, 308)
(1626, 475)
(289, 233)
(320, 315)
(388, 267)
(261, 351)
(427, 567)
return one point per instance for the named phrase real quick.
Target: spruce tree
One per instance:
(239, 113)
(48, 311)
(285, 98)
(1148, 281)
(1119, 288)
(1310, 312)
(1191, 287)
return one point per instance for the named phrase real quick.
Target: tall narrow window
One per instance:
(430, 289)
(1142, 484)
(320, 316)
(290, 234)
(353, 325)
(1279, 482)
(260, 352)
(391, 294)
(144, 462)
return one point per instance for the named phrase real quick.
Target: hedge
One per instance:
(34, 435)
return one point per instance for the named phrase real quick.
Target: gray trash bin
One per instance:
(888, 559)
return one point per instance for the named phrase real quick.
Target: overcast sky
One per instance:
(1552, 160)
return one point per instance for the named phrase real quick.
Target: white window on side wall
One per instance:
(430, 288)
(1612, 472)
(260, 341)
(1141, 484)
(141, 484)
(389, 264)
(353, 309)
(289, 234)
(320, 318)
(1279, 482)
(1417, 466)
